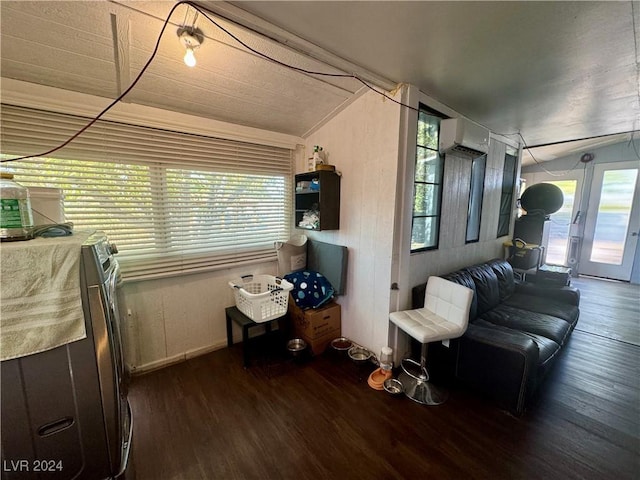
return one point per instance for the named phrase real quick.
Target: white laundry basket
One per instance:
(261, 297)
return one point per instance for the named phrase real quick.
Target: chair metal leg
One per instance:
(416, 384)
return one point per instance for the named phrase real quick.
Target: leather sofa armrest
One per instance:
(500, 362)
(568, 295)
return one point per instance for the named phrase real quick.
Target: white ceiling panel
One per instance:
(71, 45)
(554, 71)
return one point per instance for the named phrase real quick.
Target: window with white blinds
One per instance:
(173, 202)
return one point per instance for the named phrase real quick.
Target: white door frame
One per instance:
(578, 176)
(618, 272)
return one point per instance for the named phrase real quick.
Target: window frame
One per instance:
(508, 191)
(115, 144)
(476, 197)
(439, 183)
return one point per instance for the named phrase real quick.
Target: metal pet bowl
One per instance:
(393, 386)
(296, 346)
(341, 344)
(359, 355)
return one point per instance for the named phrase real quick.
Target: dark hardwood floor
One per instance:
(611, 309)
(208, 418)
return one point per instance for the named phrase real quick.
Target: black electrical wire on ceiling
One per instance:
(540, 164)
(111, 105)
(201, 10)
(298, 69)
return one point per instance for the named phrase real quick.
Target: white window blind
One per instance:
(173, 202)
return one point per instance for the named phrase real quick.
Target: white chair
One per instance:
(445, 315)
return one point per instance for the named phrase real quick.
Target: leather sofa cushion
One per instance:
(486, 287)
(506, 279)
(527, 321)
(545, 305)
(568, 295)
(547, 348)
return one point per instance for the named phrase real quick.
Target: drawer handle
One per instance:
(55, 427)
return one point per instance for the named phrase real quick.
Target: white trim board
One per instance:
(42, 97)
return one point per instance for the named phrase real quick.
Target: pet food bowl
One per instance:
(393, 386)
(296, 346)
(341, 344)
(359, 355)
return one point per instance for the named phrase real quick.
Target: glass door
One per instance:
(612, 223)
(560, 224)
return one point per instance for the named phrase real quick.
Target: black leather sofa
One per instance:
(516, 331)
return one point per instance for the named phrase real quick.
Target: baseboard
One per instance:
(181, 357)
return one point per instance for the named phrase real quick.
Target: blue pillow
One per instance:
(310, 289)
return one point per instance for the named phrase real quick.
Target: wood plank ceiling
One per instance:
(72, 45)
(555, 71)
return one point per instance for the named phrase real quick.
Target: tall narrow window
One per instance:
(506, 198)
(427, 192)
(476, 192)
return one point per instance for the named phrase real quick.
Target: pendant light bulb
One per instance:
(190, 58)
(191, 38)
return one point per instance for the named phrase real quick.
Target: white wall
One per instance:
(172, 319)
(362, 141)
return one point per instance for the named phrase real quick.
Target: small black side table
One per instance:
(232, 313)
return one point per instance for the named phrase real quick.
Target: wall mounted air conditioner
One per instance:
(463, 136)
